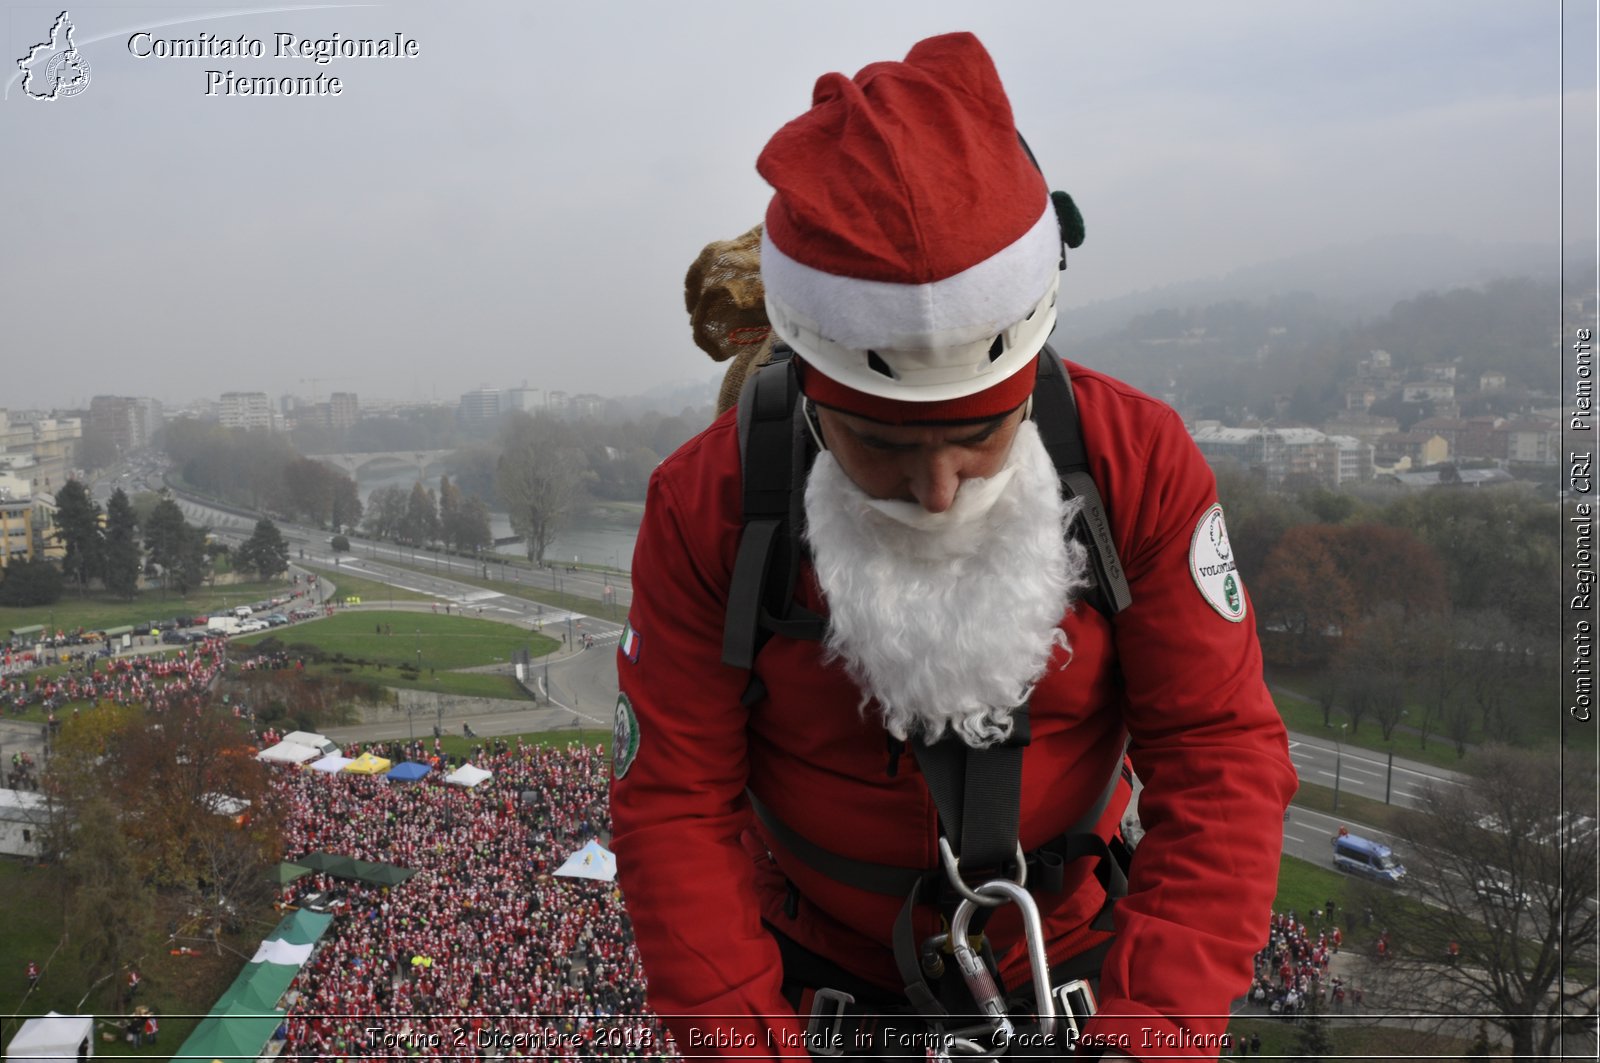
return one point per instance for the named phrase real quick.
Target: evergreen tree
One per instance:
(122, 557)
(164, 535)
(266, 551)
(449, 511)
(1312, 1043)
(78, 528)
(30, 583)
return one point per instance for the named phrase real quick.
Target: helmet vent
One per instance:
(878, 365)
(997, 348)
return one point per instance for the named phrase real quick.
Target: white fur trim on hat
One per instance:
(935, 336)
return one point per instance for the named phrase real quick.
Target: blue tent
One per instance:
(408, 771)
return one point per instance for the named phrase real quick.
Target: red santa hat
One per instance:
(911, 250)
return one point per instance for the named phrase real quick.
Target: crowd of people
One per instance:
(483, 952)
(134, 680)
(1292, 969)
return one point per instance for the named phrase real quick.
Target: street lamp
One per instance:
(1338, 764)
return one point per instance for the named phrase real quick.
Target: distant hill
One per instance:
(1356, 281)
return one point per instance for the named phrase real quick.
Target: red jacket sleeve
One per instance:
(1209, 746)
(677, 796)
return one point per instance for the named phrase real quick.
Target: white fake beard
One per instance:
(949, 620)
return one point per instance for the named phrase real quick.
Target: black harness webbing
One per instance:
(976, 791)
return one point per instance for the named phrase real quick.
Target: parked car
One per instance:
(1501, 894)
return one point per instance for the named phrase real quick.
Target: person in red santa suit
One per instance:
(911, 259)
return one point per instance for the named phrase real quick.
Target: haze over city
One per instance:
(519, 200)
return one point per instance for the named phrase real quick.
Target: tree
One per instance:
(1305, 604)
(346, 503)
(30, 582)
(1381, 665)
(163, 535)
(449, 511)
(1312, 1044)
(78, 528)
(266, 551)
(538, 478)
(121, 563)
(386, 512)
(472, 531)
(175, 548)
(340, 545)
(193, 560)
(1509, 876)
(140, 817)
(422, 516)
(109, 904)
(308, 490)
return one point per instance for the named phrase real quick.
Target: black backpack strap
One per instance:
(1055, 411)
(775, 452)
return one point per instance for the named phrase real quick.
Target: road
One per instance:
(312, 545)
(1363, 772)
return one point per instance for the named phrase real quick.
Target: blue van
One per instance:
(1356, 855)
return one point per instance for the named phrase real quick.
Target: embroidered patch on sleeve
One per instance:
(1212, 566)
(629, 643)
(624, 738)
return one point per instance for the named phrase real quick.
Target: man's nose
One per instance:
(935, 480)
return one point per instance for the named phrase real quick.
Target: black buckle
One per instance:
(822, 1041)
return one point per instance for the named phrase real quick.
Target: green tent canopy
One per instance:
(356, 870)
(286, 873)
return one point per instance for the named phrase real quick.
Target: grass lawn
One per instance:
(367, 590)
(173, 985)
(460, 684)
(456, 746)
(445, 642)
(99, 611)
(1304, 716)
(555, 599)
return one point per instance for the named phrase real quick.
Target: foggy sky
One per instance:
(520, 202)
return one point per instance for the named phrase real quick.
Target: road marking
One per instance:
(1291, 838)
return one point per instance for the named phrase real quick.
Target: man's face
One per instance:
(925, 464)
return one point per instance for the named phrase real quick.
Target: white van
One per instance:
(1355, 855)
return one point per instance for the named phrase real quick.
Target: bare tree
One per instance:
(1505, 865)
(538, 478)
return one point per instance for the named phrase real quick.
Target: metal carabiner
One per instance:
(979, 981)
(952, 870)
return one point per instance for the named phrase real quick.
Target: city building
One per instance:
(1532, 441)
(480, 405)
(47, 447)
(1296, 456)
(525, 399)
(344, 410)
(245, 409)
(16, 518)
(1403, 451)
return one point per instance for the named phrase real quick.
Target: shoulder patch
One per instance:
(624, 738)
(1212, 566)
(628, 644)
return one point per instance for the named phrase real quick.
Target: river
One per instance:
(594, 535)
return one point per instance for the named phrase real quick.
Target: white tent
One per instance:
(468, 776)
(282, 952)
(331, 763)
(289, 753)
(52, 1037)
(592, 861)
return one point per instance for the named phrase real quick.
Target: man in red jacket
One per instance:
(911, 260)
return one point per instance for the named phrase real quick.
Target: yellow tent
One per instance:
(368, 764)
